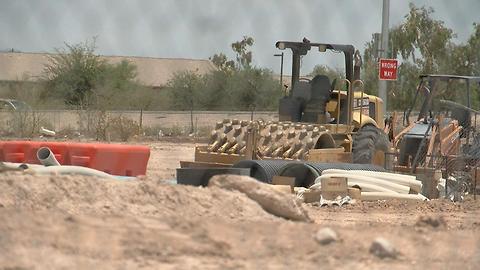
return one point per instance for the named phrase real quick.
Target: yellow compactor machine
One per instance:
(316, 121)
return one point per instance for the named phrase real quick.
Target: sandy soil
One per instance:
(60, 222)
(165, 158)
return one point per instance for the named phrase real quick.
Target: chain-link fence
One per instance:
(89, 122)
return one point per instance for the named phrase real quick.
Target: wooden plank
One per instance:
(327, 150)
(210, 157)
(320, 155)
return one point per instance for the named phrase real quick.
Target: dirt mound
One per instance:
(64, 222)
(90, 195)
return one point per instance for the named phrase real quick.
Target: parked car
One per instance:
(13, 105)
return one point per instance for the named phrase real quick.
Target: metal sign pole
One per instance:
(382, 85)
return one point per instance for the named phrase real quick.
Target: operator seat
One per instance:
(302, 91)
(291, 108)
(315, 109)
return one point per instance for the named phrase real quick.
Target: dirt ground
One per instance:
(64, 222)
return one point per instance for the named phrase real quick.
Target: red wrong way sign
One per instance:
(387, 69)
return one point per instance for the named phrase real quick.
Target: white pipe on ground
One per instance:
(385, 175)
(46, 157)
(368, 180)
(364, 187)
(71, 170)
(17, 165)
(47, 132)
(368, 187)
(401, 179)
(375, 196)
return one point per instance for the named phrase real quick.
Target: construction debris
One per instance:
(271, 200)
(338, 201)
(47, 132)
(375, 185)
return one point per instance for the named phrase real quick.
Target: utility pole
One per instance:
(382, 85)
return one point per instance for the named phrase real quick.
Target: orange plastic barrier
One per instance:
(116, 159)
(2, 157)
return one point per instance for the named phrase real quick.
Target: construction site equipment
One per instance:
(317, 121)
(442, 137)
(440, 124)
(116, 159)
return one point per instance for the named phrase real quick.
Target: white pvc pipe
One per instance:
(385, 175)
(17, 165)
(47, 132)
(72, 170)
(405, 180)
(375, 196)
(368, 187)
(363, 186)
(368, 180)
(46, 157)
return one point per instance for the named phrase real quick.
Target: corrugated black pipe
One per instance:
(263, 170)
(306, 173)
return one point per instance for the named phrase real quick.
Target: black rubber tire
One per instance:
(366, 142)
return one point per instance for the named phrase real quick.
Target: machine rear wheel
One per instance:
(368, 140)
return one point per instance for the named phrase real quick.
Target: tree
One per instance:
(253, 89)
(184, 92)
(424, 45)
(71, 73)
(222, 63)
(421, 33)
(214, 95)
(242, 52)
(236, 85)
(369, 74)
(82, 78)
(474, 49)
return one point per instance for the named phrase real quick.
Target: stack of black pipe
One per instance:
(304, 173)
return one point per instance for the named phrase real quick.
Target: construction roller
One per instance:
(284, 140)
